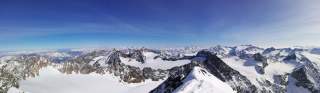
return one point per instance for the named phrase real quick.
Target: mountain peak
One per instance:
(200, 80)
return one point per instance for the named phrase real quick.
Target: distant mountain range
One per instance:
(218, 69)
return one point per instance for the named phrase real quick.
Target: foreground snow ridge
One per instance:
(201, 81)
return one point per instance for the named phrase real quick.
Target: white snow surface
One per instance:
(153, 63)
(312, 57)
(279, 68)
(201, 81)
(52, 81)
(247, 68)
(100, 59)
(244, 67)
(15, 90)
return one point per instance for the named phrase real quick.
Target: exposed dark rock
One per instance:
(136, 54)
(153, 74)
(268, 50)
(259, 69)
(221, 51)
(8, 80)
(315, 51)
(134, 75)
(261, 60)
(305, 75)
(113, 65)
(19, 68)
(86, 69)
(176, 75)
(291, 56)
(176, 58)
(215, 66)
(225, 73)
(258, 57)
(280, 83)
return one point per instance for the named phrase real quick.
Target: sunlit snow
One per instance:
(52, 81)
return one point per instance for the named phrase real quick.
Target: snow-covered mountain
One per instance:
(227, 69)
(200, 80)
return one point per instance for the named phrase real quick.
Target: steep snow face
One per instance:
(201, 81)
(100, 60)
(153, 62)
(273, 68)
(245, 67)
(280, 62)
(312, 57)
(50, 80)
(308, 75)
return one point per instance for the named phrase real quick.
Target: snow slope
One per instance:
(51, 80)
(15, 90)
(244, 67)
(201, 81)
(312, 57)
(247, 68)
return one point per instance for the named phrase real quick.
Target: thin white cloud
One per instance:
(301, 27)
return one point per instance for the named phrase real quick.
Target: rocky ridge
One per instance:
(303, 70)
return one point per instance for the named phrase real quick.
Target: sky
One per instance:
(54, 24)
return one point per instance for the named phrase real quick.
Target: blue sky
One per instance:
(50, 24)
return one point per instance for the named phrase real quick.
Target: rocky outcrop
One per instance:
(308, 76)
(169, 57)
(261, 63)
(176, 75)
(305, 75)
(154, 74)
(291, 56)
(258, 57)
(19, 68)
(268, 50)
(225, 73)
(280, 83)
(221, 51)
(113, 65)
(259, 69)
(7, 80)
(215, 66)
(135, 54)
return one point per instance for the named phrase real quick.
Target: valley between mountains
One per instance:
(218, 69)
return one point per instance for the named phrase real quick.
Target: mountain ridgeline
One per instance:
(240, 69)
